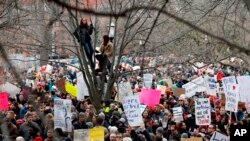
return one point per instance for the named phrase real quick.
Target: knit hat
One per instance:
(159, 130)
(19, 138)
(81, 114)
(116, 113)
(102, 115)
(184, 135)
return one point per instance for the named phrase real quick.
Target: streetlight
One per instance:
(111, 31)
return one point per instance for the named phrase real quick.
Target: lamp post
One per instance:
(111, 31)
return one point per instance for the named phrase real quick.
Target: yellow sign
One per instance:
(70, 89)
(97, 134)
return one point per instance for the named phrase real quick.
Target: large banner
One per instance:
(196, 85)
(211, 86)
(232, 97)
(62, 114)
(244, 86)
(81, 87)
(147, 80)
(202, 111)
(124, 89)
(132, 110)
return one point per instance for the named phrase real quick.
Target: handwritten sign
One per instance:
(227, 80)
(124, 89)
(211, 86)
(196, 85)
(147, 80)
(132, 110)
(4, 101)
(97, 134)
(232, 97)
(202, 111)
(178, 114)
(62, 112)
(244, 87)
(219, 137)
(81, 135)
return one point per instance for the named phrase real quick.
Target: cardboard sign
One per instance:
(132, 110)
(179, 91)
(202, 111)
(60, 85)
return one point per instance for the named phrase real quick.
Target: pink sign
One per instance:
(4, 104)
(150, 97)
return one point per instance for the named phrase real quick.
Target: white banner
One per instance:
(178, 114)
(81, 87)
(132, 110)
(62, 114)
(211, 86)
(202, 111)
(196, 85)
(147, 80)
(232, 97)
(124, 89)
(244, 86)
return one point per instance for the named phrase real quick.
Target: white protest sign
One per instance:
(132, 110)
(196, 85)
(178, 114)
(211, 86)
(147, 80)
(202, 111)
(232, 97)
(62, 114)
(226, 80)
(11, 89)
(244, 86)
(142, 108)
(124, 89)
(81, 135)
(217, 136)
(81, 87)
(49, 69)
(162, 89)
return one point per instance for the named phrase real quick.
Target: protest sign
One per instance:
(62, 114)
(72, 90)
(142, 108)
(168, 81)
(81, 135)
(147, 80)
(29, 82)
(60, 85)
(178, 114)
(162, 89)
(244, 87)
(81, 87)
(192, 139)
(11, 89)
(217, 136)
(211, 86)
(97, 134)
(4, 104)
(227, 80)
(196, 85)
(202, 111)
(150, 97)
(132, 110)
(49, 69)
(232, 97)
(124, 89)
(179, 91)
